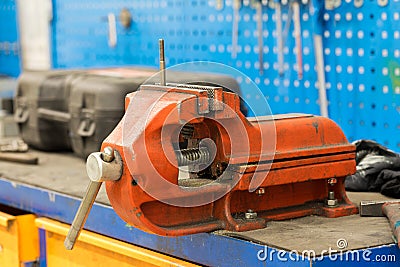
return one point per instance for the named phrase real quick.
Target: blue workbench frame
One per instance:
(205, 249)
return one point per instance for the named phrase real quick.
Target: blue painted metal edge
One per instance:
(43, 248)
(206, 249)
(387, 255)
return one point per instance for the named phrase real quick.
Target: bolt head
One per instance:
(260, 191)
(108, 154)
(332, 181)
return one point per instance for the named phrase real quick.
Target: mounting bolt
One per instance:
(260, 191)
(108, 154)
(332, 181)
(331, 201)
(250, 215)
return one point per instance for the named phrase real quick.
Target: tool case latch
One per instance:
(21, 114)
(87, 125)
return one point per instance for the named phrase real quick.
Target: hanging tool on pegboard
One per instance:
(236, 5)
(298, 39)
(219, 4)
(317, 14)
(279, 36)
(258, 6)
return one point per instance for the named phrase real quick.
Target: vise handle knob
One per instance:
(100, 166)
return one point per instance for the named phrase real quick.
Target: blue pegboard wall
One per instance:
(9, 45)
(363, 70)
(361, 56)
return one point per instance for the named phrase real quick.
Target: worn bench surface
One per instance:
(67, 174)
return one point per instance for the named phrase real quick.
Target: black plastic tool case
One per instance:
(60, 110)
(41, 108)
(97, 105)
(97, 100)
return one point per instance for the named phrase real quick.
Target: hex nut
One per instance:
(250, 215)
(331, 202)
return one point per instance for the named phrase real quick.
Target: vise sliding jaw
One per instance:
(240, 172)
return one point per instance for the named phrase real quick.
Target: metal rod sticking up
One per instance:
(163, 78)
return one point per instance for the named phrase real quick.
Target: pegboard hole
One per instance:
(327, 51)
(327, 68)
(350, 87)
(306, 50)
(385, 89)
(349, 69)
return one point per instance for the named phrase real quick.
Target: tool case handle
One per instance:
(21, 115)
(86, 128)
(53, 115)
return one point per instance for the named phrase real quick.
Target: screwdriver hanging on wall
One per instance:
(235, 27)
(297, 36)
(279, 36)
(256, 4)
(219, 4)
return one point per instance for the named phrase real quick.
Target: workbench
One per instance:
(53, 189)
